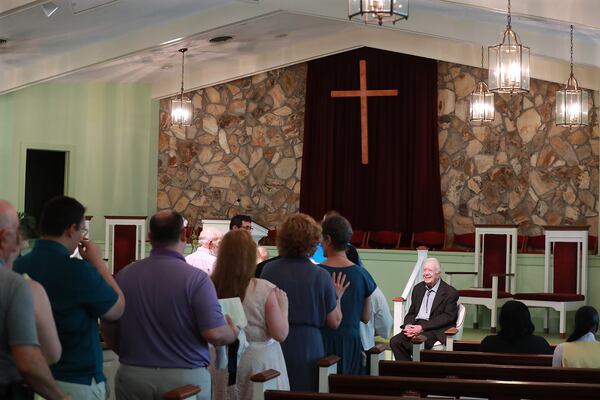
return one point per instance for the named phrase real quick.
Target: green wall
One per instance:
(110, 132)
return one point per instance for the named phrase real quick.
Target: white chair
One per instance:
(494, 270)
(452, 334)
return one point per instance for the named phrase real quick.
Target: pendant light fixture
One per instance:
(508, 63)
(379, 11)
(181, 106)
(572, 101)
(482, 101)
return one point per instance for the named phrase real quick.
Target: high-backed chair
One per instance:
(433, 240)
(384, 239)
(565, 278)
(536, 244)
(494, 270)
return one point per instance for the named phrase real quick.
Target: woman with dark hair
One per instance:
(516, 333)
(314, 298)
(356, 305)
(265, 307)
(581, 349)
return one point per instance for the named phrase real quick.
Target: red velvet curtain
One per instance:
(400, 187)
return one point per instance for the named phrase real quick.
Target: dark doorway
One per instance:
(44, 179)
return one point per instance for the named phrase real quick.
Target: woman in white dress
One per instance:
(264, 304)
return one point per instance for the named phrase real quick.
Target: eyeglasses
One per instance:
(248, 228)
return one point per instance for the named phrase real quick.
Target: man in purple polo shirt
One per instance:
(172, 313)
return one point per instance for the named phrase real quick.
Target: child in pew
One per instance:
(581, 350)
(516, 333)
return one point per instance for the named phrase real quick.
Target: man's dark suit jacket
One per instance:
(444, 310)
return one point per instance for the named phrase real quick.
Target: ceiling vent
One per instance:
(220, 39)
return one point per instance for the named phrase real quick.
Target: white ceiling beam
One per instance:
(10, 7)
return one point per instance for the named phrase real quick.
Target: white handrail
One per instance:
(401, 307)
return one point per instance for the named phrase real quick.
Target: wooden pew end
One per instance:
(327, 366)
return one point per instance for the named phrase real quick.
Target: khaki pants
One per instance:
(95, 391)
(139, 383)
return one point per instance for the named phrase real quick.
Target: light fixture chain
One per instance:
(508, 15)
(571, 50)
(481, 72)
(182, 70)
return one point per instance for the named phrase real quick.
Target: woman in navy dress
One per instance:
(313, 299)
(356, 304)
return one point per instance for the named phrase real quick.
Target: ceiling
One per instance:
(137, 40)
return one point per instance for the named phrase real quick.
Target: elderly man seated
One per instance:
(433, 309)
(204, 258)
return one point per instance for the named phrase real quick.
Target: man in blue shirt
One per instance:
(80, 292)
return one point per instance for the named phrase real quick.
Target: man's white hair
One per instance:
(209, 235)
(435, 262)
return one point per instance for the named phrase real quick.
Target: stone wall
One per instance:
(245, 143)
(520, 169)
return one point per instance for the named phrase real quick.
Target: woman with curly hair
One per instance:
(314, 298)
(265, 307)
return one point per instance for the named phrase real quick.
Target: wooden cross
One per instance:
(363, 93)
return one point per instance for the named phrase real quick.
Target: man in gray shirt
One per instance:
(20, 354)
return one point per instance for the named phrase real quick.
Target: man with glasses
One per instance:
(80, 292)
(241, 222)
(433, 309)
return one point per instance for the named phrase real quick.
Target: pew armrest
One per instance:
(182, 392)
(327, 366)
(374, 355)
(265, 376)
(451, 331)
(263, 381)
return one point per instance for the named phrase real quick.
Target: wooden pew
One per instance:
(478, 357)
(490, 389)
(285, 395)
(488, 371)
(474, 345)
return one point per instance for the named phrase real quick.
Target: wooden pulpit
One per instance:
(125, 240)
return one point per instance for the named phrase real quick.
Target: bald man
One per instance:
(20, 354)
(205, 256)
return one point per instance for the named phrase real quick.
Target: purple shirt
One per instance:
(169, 303)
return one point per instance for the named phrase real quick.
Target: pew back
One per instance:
(490, 389)
(488, 371)
(478, 357)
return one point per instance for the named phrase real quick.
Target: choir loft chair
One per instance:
(495, 265)
(359, 238)
(565, 273)
(384, 239)
(462, 242)
(433, 240)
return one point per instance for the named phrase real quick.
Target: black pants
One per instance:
(402, 347)
(16, 391)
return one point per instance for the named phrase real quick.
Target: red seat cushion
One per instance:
(483, 293)
(550, 296)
